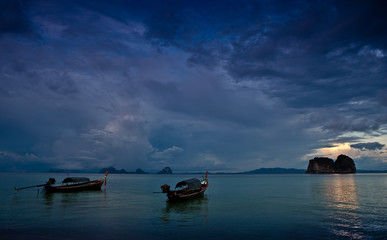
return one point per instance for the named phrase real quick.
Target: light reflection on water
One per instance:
(351, 206)
(340, 194)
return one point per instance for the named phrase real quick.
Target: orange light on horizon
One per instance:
(333, 151)
(336, 149)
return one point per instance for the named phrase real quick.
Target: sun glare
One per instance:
(333, 151)
(337, 147)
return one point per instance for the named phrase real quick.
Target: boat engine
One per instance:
(165, 188)
(51, 181)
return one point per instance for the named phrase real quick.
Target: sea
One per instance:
(280, 206)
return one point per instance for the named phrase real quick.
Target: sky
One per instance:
(223, 86)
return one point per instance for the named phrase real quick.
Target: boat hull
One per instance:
(175, 196)
(78, 187)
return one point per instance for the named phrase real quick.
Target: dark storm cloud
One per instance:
(203, 29)
(340, 123)
(368, 146)
(314, 48)
(308, 52)
(205, 97)
(14, 17)
(382, 97)
(362, 21)
(189, 84)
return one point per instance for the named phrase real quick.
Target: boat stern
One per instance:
(165, 188)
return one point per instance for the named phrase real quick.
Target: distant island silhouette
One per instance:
(318, 165)
(256, 171)
(122, 171)
(166, 170)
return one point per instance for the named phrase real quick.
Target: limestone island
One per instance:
(166, 170)
(324, 165)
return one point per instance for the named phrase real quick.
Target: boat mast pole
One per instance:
(40, 185)
(107, 172)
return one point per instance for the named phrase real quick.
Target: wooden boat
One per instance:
(71, 184)
(74, 184)
(186, 189)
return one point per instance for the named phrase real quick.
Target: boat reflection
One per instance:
(341, 198)
(186, 212)
(73, 200)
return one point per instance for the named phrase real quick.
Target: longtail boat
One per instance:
(186, 189)
(71, 184)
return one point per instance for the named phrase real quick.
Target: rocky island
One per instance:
(122, 171)
(321, 165)
(166, 170)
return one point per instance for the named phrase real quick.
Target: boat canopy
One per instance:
(75, 179)
(192, 183)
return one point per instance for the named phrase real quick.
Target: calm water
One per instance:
(234, 207)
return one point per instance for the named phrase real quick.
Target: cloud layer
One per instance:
(193, 85)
